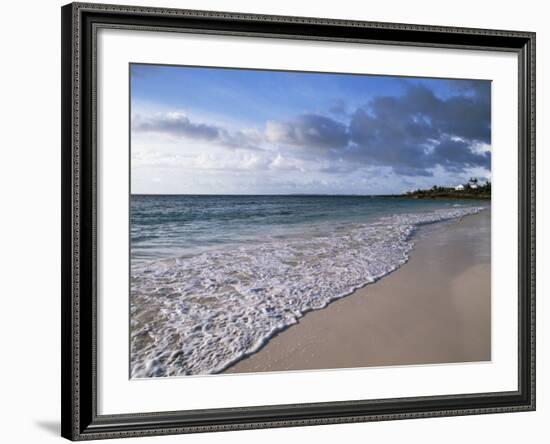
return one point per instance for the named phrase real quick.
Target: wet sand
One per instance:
(434, 309)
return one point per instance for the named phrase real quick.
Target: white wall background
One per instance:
(30, 219)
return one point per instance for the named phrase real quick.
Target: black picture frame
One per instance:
(80, 420)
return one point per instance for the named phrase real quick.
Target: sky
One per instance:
(234, 131)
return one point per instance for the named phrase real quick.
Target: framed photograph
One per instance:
(281, 221)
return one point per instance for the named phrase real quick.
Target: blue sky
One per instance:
(233, 131)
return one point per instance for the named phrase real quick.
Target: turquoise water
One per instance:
(165, 226)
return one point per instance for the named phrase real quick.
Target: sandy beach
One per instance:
(434, 309)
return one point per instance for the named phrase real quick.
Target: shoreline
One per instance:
(444, 317)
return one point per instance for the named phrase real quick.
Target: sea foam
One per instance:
(198, 315)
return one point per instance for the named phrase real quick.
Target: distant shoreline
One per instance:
(457, 195)
(471, 190)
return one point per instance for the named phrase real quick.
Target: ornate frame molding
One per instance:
(80, 22)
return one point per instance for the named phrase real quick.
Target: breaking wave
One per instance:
(199, 315)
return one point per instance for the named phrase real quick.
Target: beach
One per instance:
(436, 308)
(297, 282)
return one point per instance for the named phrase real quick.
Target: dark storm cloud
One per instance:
(420, 111)
(309, 131)
(412, 133)
(455, 155)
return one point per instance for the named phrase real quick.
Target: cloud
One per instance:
(412, 134)
(473, 88)
(457, 155)
(339, 108)
(308, 130)
(177, 124)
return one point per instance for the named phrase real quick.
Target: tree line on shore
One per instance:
(473, 189)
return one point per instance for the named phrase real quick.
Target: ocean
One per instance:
(214, 277)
